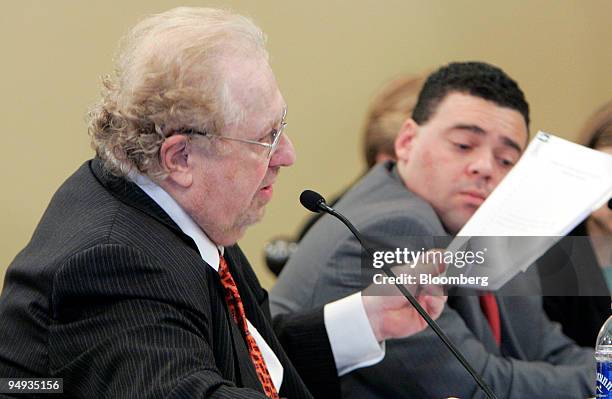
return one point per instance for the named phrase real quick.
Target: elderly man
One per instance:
(132, 285)
(468, 129)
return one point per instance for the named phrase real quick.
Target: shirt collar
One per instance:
(209, 251)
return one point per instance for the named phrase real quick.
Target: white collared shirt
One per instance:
(351, 337)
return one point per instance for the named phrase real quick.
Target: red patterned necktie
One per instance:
(232, 297)
(489, 307)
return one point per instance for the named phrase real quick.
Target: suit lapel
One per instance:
(252, 295)
(466, 301)
(131, 195)
(512, 346)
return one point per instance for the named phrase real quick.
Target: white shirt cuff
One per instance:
(350, 334)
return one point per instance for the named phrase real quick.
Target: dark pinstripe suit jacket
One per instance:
(110, 295)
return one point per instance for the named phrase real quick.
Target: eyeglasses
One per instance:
(269, 141)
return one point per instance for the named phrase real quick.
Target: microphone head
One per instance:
(610, 203)
(311, 200)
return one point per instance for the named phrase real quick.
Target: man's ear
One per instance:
(174, 159)
(405, 139)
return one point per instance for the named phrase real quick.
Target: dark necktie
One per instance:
(489, 307)
(232, 297)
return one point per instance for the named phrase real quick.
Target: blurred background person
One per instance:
(597, 134)
(387, 112)
(580, 258)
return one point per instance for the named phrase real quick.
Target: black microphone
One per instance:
(609, 203)
(315, 202)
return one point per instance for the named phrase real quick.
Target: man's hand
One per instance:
(392, 316)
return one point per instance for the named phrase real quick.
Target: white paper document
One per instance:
(555, 185)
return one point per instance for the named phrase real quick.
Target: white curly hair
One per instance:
(168, 76)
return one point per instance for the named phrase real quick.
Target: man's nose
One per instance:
(284, 154)
(482, 165)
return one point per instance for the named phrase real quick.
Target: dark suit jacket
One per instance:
(111, 296)
(534, 360)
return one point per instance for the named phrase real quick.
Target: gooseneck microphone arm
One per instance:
(315, 202)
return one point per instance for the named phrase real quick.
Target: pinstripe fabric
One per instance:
(112, 297)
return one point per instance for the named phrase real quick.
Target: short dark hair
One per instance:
(477, 79)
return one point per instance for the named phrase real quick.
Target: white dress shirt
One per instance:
(351, 337)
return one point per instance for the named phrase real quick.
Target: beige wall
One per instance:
(329, 57)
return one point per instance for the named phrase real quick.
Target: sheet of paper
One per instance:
(555, 185)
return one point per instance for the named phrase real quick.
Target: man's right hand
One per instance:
(392, 316)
